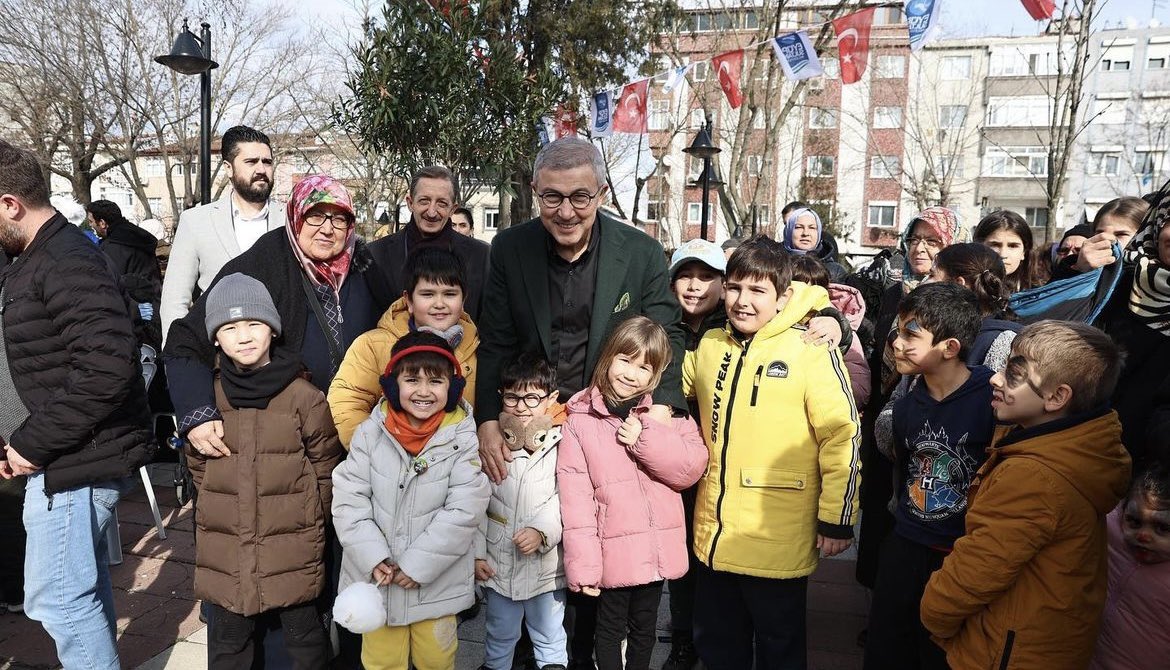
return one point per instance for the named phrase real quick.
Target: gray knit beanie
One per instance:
(238, 297)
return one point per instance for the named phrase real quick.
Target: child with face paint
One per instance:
(1133, 627)
(941, 430)
(1025, 585)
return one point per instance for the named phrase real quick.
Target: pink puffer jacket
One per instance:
(848, 301)
(620, 507)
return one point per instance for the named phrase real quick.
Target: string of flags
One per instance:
(624, 110)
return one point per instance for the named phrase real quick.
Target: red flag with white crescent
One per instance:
(853, 44)
(729, 67)
(630, 114)
(1040, 9)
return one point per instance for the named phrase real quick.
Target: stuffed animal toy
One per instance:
(519, 436)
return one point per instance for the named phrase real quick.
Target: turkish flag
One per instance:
(630, 114)
(565, 122)
(729, 67)
(853, 43)
(1040, 9)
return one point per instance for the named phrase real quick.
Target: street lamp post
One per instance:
(702, 147)
(192, 55)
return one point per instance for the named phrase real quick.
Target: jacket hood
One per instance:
(130, 235)
(590, 401)
(848, 301)
(397, 321)
(805, 298)
(1084, 449)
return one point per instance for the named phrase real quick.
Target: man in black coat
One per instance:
(433, 196)
(132, 251)
(73, 413)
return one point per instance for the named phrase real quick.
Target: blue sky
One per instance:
(970, 18)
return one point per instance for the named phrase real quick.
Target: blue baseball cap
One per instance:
(707, 253)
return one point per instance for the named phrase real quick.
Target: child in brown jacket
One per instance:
(264, 499)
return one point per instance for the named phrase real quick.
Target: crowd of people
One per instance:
(560, 426)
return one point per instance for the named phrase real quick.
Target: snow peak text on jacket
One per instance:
(622, 513)
(74, 362)
(527, 498)
(782, 429)
(355, 388)
(260, 522)
(420, 513)
(1024, 587)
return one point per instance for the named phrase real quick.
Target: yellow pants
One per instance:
(428, 645)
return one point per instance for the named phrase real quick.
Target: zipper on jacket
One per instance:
(1007, 650)
(756, 384)
(723, 457)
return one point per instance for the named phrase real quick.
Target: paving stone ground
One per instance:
(159, 628)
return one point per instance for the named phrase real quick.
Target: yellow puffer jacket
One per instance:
(355, 388)
(779, 421)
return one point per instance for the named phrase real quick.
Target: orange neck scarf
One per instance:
(412, 439)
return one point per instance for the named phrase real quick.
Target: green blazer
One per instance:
(632, 278)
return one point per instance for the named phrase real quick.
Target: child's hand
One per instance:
(404, 580)
(629, 431)
(483, 570)
(591, 591)
(823, 330)
(527, 540)
(383, 573)
(830, 546)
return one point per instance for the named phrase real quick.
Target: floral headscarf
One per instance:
(1149, 299)
(944, 223)
(311, 191)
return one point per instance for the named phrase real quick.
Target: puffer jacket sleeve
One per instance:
(858, 368)
(355, 389)
(546, 517)
(322, 447)
(582, 538)
(353, 506)
(829, 404)
(96, 329)
(1006, 526)
(451, 533)
(674, 455)
(688, 375)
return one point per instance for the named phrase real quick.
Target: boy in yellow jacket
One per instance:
(781, 485)
(433, 301)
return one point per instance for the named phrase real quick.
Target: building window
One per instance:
(1105, 164)
(1037, 217)
(694, 212)
(750, 20)
(1158, 63)
(1147, 162)
(698, 118)
(1016, 162)
(821, 166)
(832, 68)
(695, 164)
(884, 167)
(1117, 58)
(755, 165)
(955, 68)
(760, 122)
(1157, 55)
(659, 114)
(887, 117)
(890, 67)
(153, 167)
(1109, 111)
(1014, 62)
(1109, 65)
(952, 116)
(491, 218)
(699, 71)
(947, 166)
(882, 215)
(653, 210)
(888, 16)
(763, 215)
(822, 117)
(1019, 111)
(156, 205)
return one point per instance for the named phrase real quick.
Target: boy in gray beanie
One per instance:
(256, 551)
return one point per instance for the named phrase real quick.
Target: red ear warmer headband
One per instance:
(390, 383)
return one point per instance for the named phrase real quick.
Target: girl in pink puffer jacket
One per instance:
(619, 471)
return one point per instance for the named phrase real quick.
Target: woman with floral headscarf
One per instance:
(929, 232)
(316, 272)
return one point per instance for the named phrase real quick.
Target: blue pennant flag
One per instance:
(797, 57)
(922, 18)
(677, 75)
(601, 114)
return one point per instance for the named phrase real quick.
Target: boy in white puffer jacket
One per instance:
(518, 558)
(407, 504)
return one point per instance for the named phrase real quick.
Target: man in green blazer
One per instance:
(559, 284)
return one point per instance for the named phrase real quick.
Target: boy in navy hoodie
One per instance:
(942, 429)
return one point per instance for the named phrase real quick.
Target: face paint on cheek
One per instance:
(913, 327)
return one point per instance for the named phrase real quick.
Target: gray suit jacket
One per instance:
(204, 241)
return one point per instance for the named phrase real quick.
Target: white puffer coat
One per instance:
(421, 513)
(527, 498)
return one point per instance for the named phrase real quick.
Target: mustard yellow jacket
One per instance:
(782, 431)
(355, 388)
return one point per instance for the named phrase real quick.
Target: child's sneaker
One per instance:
(682, 654)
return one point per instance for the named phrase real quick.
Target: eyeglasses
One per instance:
(531, 400)
(930, 242)
(1016, 374)
(339, 221)
(578, 199)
